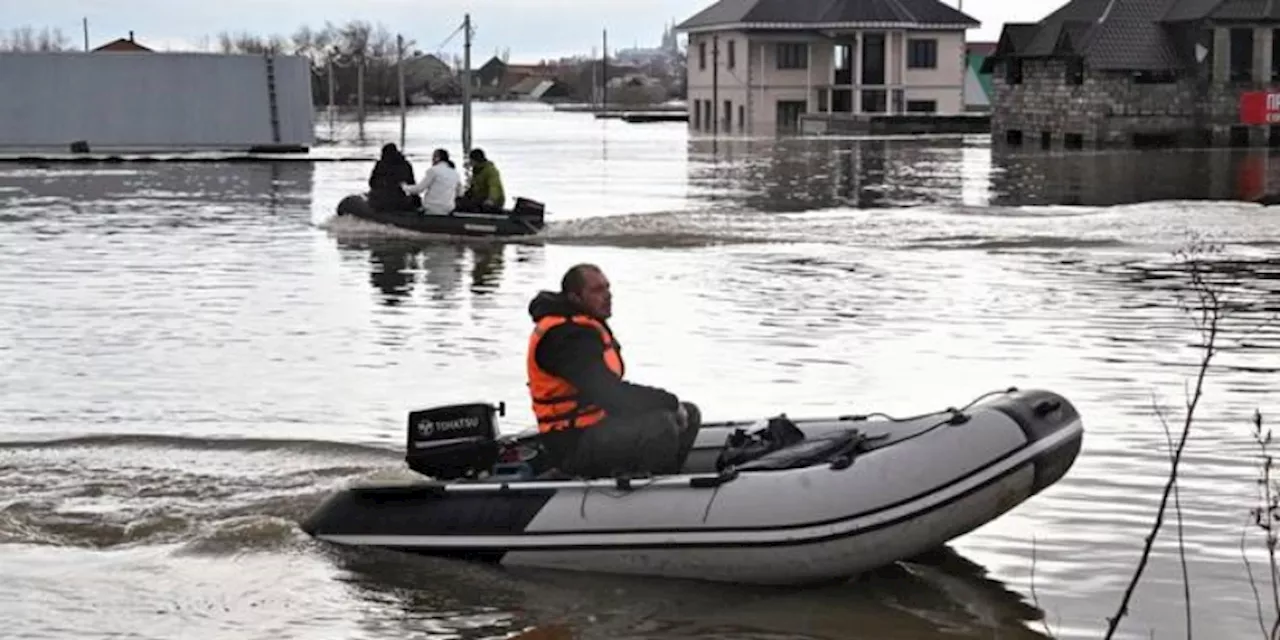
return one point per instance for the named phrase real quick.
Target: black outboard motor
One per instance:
(454, 441)
(530, 211)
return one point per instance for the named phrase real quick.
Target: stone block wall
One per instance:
(1105, 110)
(1130, 107)
(1044, 102)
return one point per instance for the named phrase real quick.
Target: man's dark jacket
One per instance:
(576, 353)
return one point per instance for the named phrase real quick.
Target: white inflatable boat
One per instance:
(774, 502)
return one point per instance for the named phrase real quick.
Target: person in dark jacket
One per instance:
(595, 423)
(391, 171)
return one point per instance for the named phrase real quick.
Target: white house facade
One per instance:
(754, 67)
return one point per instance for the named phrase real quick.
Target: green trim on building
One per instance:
(975, 61)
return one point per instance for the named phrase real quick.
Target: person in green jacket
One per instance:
(484, 193)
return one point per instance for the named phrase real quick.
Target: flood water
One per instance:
(191, 361)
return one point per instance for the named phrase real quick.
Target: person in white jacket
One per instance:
(440, 185)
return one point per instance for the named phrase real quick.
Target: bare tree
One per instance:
(1210, 303)
(26, 39)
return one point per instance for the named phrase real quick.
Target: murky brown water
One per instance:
(190, 365)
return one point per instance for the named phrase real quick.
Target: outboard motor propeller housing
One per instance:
(453, 441)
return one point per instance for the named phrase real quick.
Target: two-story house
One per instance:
(756, 66)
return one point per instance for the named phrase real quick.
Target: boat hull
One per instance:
(459, 223)
(925, 482)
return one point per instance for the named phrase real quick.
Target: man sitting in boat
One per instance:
(391, 171)
(484, 193)
(594, 424)
(440, 186)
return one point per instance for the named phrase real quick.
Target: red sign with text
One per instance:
(1260, 107)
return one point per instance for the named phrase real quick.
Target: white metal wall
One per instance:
(143, 101)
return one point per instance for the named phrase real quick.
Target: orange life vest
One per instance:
(555, 401)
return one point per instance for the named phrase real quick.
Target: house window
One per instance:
(1241, 56)
(874, 100)
(1164, 76)
(697, 115)
(728, 115)
(922, 54)
(1013, 71)
(733, 55)
(1275, 55)
(874, 62)
(792, 55)
(742, 118)
(922, 106)
(1075, 71)
(1239, 136)
(789, 112)
(1072, 141)
(702, 56)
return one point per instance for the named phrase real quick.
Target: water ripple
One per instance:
(193, 361)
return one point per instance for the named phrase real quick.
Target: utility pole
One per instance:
(604, 71)
(715, 84)
(400, 81)
(360, 90)
(85, 22)
(332, 96)
(466, 86)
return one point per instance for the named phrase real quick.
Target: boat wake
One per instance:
(207, 496)
(1150, 228)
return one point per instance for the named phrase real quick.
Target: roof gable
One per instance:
(122, 44)
(1108, 34)
(1014, 38)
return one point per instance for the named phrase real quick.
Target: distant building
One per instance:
(758, 66)
(496, 77)
(536, 88)
(427, 77)
(123, 44)
(1138, 72)
(978, 89)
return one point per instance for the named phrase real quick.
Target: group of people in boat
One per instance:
(392, 186)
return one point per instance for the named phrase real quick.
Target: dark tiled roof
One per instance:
(1180, 10)
(1108, 34)
(1246, 10)
(1131, 37)
(1020, 34)
(801, 12)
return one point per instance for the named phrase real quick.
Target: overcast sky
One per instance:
(531, 29)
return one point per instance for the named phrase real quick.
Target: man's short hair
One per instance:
(575, 279)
